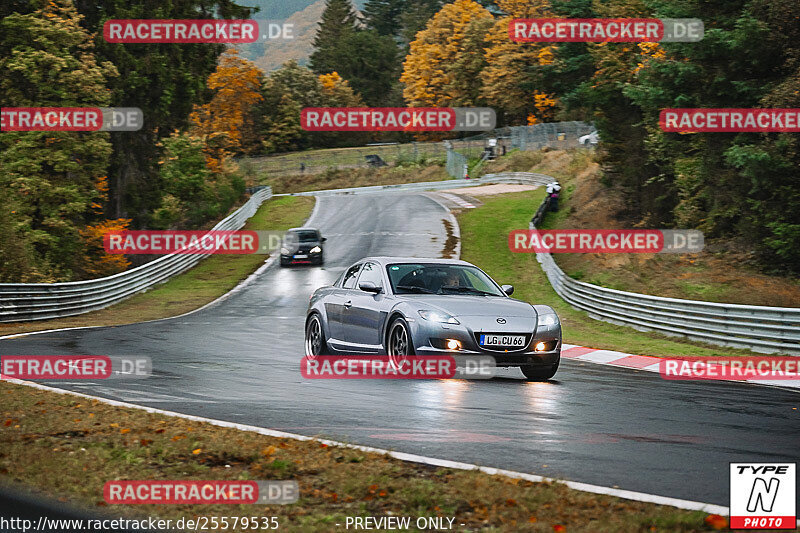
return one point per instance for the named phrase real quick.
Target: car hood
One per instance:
(302, 246)
(465, 305)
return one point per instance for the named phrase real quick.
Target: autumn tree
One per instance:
(96, 262)
(164, 80)
(438, 70)
(48, 178)
(512, 79)
(195, 192)
(336, 92)
(227, 122)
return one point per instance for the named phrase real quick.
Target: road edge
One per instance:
(688, 505)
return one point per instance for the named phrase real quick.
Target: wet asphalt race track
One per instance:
(239, 361)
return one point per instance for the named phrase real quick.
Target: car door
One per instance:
(335, 306)
(362, 318)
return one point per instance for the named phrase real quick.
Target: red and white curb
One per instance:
(458, 200)
(647, 363)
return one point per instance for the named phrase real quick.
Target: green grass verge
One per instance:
(352, 177)
(484, 242)
(207, 281)
(68, 447)
(348, 156)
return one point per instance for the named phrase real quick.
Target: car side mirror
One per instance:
(508, 289)
(323, 239)
(368, 286)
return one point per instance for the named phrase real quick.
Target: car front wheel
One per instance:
(539, 373)
(315, 338)
(399, 345)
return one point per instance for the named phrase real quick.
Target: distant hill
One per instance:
(304, 14)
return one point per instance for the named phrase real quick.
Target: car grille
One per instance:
(502, 348)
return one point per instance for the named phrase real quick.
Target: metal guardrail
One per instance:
(21, 302)
(502, 177)
(40, 301)
(753, 327)
(758, 328)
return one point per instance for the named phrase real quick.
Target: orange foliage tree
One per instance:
(226, 124)
(440, 69)
(97, 263)
(506, 82)
(336, 91)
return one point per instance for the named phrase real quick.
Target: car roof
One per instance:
(385, 260)
(303, 229)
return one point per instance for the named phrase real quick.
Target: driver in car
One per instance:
(446, 280)
(452, 279)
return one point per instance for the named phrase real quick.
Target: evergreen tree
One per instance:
(416, 15)
(338, 24)
(164, 80)
(383, 16)
(370, 62)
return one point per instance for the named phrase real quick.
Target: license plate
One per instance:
(300, 256)
(503, 340)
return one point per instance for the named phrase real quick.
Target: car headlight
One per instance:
(316, 250)
(548, 319)
(433, 316)
(285, 251)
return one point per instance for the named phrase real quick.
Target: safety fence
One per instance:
(394, 154)
(456, 164)
(40, 301)
(758, 328)
(454, 153)
(557, 135)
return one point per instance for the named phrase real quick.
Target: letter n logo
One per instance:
(763, 494)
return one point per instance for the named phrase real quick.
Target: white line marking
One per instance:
(444, 463)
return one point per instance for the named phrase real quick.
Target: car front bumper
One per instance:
(310, 259)
(425, 335)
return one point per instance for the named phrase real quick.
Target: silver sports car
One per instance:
(410, 306)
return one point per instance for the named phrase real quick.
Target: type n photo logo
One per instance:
(763, 496)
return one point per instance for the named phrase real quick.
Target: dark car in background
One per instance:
(302, 246)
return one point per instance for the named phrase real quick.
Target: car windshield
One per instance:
(302, 236)
(421, 278)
